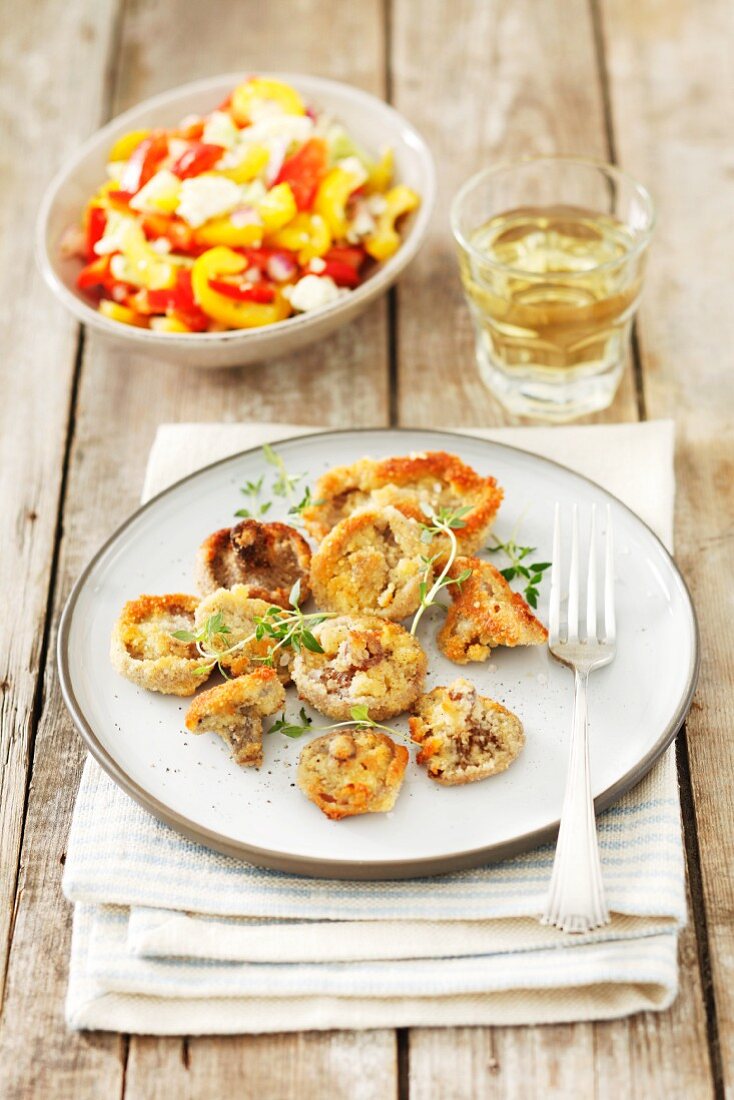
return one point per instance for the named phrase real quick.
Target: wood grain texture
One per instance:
(40, 124)
(673, 103)
(507, 80)
(121, 400)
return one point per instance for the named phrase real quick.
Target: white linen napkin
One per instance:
(172, 938)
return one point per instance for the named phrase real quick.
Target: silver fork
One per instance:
(576, 901)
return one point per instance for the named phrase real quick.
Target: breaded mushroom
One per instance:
(144, 650)
(485, 613)
(372, 561)
(464, 736)
(235, 710)
(352, 772)
(238, 610)
(433, 478)
(268, 557)
(366, 661)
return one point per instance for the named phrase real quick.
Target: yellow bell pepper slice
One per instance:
(306, 234)
(126, 145)
(221, 231)
(228, 311)
(148, 268)
(331, 200)
(117, 312)
(246, 98)
(252, 164)
(385, 241)
(168, 324)
(277, 207)
(381, 173)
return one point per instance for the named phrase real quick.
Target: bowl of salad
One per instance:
(236, 218)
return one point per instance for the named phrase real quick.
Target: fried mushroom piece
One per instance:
(235, 710)
(238, 610)
(485, 613)
(144, 650)
(372, 561)
(354, 772)
(366, 661)
(463, 735)
(434, 478)
(268, 557)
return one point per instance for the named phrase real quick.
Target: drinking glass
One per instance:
(552, 254)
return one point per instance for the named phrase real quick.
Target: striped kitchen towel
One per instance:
(170, 937)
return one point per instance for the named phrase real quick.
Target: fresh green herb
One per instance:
(206, 644)
(443, 522)
(359, 720)
(305, 502)
(531, 572)
(292, 729)
(253, 489)
(285, 483)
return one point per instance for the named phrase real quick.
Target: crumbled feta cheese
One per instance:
(354, 166)
(205, 197)
(252, 193)
(376, 204)
(176, 148)
(317, 265)
(159, 194)
(115, 168)
(161, 245)
(269, 132)
(220, 130)
(312, 292)
(115, 231)
(122, 270)
(362, 223)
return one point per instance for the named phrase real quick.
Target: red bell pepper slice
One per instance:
(305, 170)
(258, 292)
(96, 222)
(178, 301)
(97, 273)
(143, 163)
(173, 229)
(354, 255)
(199, 157)
(342, 274)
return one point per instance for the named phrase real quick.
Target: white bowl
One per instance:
(369, 120)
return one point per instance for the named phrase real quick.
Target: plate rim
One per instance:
(316, 867)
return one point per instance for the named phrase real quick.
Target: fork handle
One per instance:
(576, 900)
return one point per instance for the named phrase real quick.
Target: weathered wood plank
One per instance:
(121, 401)
(508, 80)
(673, 104)
(42, 119)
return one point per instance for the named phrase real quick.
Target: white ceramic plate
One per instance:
(372, 122)
(636, 704)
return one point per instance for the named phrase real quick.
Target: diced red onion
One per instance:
(73, 242)
(120, 292)
(244, 215)
(281, 267)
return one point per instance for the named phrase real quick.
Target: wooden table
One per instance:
(646, 83)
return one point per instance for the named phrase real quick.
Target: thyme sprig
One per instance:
(532, 572)
(259, 508)
(360, 720)
(443, 522)
(285, 483)
(287, 628)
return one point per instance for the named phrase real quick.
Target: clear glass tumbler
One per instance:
(552, 253)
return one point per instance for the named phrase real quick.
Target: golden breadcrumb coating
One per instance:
(234, 711)
(268, 557)
(144, 650)
(352, 772)
(464, 736)
(485, 613)
(372, 561)
(238, 610)
(435, 478)
(367, 661)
